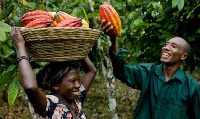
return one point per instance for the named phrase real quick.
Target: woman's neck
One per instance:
(68, 102)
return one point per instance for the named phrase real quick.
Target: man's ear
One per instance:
(184, 56)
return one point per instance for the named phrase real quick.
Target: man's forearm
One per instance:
(114, 45)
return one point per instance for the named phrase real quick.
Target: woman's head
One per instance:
(54, 73)
(69, 85)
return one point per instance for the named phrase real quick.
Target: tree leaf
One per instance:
(138, 47)
(24, 2)
(42, 63)
(180, 4)
(31, 5)
(158, 7)
(198, 30)
(161, 18)
(86, 18)
(6, 49)
(92, 15)
(138, 22)
(3, 35)
(175, 3)
(132, 15)
(6, 75)
(5, 27)
(13, 91)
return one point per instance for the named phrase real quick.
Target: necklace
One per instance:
(75, 109)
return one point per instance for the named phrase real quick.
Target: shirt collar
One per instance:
(178, 75)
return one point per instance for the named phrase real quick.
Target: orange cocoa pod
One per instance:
(60, 16)
(40, 23)
(36, 12)
(107, 12)
(70, 22)
(54, 23)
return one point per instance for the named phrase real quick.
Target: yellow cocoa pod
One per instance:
(85, 24)
(52, 14)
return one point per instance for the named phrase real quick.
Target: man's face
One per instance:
(173, 51)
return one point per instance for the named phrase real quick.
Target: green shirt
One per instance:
(178, 98)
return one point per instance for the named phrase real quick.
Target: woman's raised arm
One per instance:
(90, 72)
(27, 76)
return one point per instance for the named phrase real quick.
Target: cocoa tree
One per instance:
(107, 69)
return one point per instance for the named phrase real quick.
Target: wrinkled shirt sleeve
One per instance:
(196, 104)
(130, 75)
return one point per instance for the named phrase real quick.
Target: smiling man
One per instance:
(173, 53)
(166, 91)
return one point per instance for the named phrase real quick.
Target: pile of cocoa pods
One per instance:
(40, 18)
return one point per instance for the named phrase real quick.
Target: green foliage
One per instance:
(13, 91)
(6, 76)
(3, 29)
(178, 3)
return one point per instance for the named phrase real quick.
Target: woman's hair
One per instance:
(53, 73)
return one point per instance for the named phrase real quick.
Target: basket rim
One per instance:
(48, 28)
(54, 33)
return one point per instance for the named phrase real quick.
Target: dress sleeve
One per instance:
(51, 105)
(196, 103)
(131, 75)
(83, 94)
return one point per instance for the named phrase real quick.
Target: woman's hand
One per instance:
(17, 38)
(107, 28)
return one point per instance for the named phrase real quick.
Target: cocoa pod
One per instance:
(107, 12)
(52, 14)
(34, 13)
(60, 16)
(70, 22)
(85, 24)
(42, 22)
(28, 19)
(54, 23)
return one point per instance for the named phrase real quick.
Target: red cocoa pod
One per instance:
(42, 22)
(70, 22)
(27, 20)
(30, 16)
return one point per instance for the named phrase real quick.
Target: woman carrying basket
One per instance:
(62, 78)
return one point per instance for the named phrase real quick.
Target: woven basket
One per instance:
(59, 44)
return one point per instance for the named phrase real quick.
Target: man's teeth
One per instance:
(76, 93)
(165, 54)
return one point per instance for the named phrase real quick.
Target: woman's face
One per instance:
(69, 88)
